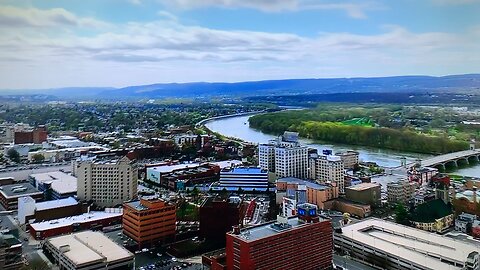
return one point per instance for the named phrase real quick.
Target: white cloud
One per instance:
(32, 17)
(353, 9)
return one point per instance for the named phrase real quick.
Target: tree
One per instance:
(401, 215)
(13, 155)
(195, 193)
(38, 158)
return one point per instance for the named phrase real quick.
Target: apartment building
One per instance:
(400, 191)
(350, 158)
(266, 157)
(327, 168)
(106, 182)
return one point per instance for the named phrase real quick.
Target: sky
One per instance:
(117, 43)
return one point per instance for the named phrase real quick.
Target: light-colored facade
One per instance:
(266, 157)
(327, 168)
(401, 191)
(350, 158)
(316, 194)
(107, 183)
(439, 225)
(464, 222)
(244, 178)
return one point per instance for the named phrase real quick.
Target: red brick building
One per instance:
(303, 242)
(36, 136)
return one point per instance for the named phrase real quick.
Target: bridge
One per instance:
(455, 158)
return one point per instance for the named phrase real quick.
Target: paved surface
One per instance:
(349, 264)
(448, 157)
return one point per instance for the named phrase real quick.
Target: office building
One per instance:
(88, 250)
(10, 252)
(106, 182)
(316, 194)
(55, 185)
(433, 216)
(349, 158)
(389, 245)
(245, 178)
(149, 220)
(93, 220)
(303, 242)
(181, 176)
(366, 193)
(29, 210)
(327, 169)
(9, 194)
(285, 156)
(400, 192)
(217, 216)
(35, 136)
(464, 222)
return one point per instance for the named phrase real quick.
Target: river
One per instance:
(238, 127)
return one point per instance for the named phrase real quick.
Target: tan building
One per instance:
(316, 194)
(106, 182)
(366, 193)
(350, 158)
(433, 216)
(401, 191)
(327, 168)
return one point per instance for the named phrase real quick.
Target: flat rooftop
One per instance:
(68, 221)
(227, 163)
(408, 243)
(310, 184)
(363, 186)
(61, 182)
(85, 247)
(171, 168)
(245, 171)
(18, 190)
(56, 204)
(269, 229)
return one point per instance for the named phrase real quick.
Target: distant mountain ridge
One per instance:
(467, 83)
(302, 86)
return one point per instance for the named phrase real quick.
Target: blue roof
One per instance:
(307, 183)
(246, 171)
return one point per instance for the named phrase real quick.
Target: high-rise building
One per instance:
(244, 178)
(327, 168)
(400, 192)
(301, 242)
(149, 220)
(285, 156)
(106, 182)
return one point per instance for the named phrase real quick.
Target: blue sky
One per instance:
(46, 44)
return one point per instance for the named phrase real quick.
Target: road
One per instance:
(20, 175)
(349, 264)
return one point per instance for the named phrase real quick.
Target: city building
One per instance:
(400, 192)
(55, 185)
(181, 176)
(476, 229)
(106, 183)
(63, 154)
(36, 136)
(467, 201)
(9, 194)
(302, 242)
(327, 168)
(29, 210)
(366, 193)
(316, 194)
(358, 210)
(350, 158)
(10, 252)
(88, 250)
(191, 139)
(433, 216)
(285, 156)
(217, 217)
(88, 221)
(464, 222)
(422, 176)
(389, 245)
(245, 178)
(149, 220)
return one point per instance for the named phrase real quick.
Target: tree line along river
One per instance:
(238, 127)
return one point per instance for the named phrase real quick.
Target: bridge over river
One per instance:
(455, 158)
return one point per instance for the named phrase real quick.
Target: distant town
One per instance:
(104, 187)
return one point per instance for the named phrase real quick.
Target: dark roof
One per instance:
(429, 211)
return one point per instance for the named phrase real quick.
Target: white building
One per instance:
(244, 178)
(350, 158)
(107, 182)
(62, 185)
(284, 156)
(327, 168)
(88, 250)
(400, 192)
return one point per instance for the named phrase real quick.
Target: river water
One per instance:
(238, 127)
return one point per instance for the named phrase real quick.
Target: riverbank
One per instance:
(205, 121)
